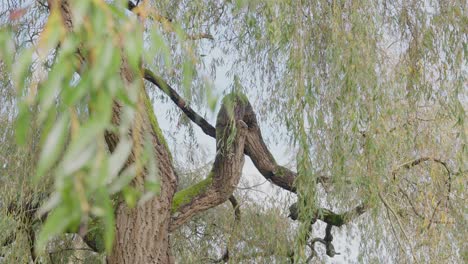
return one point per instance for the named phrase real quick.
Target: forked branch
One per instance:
(256, 149)
(227, 168)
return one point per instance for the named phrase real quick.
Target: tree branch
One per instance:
(327, 241)
(255, 146)
(227, 168)
(330, 217)
(177, 99)
(236, 207)
(256, 149)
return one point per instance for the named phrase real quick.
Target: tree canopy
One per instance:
(368, 97)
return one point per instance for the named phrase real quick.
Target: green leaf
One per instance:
(80, 11)
(153, 187)
(21, 68)
(83, 148)
(53, 145)
(108, 218)
(23, 124)
(101, 109)
(88, 134)
(133, 47)
(107, 63)
(7, 48)
(119, 157)
(57, 222)
(74, 93)
(77, 158)
(50, 35)
(49, 90)
(131, 196)
(118, 9)
(123, 180)
(188, 77)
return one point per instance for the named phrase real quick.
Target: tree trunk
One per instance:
(142, 233)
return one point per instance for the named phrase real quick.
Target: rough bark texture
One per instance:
(255, 146)
(259, 153)
(142, 233)
(231, 130)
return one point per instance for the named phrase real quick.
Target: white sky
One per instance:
(266, 191)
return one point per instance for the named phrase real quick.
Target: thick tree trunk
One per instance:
(142, 233)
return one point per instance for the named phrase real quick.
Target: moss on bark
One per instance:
(186, 195)
(154, 121)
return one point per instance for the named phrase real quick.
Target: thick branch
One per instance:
(227, 168)
(330, 217)
(256, 149)
(152, 217)
(175, 97)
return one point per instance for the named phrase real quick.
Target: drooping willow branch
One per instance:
(256, 149)
(144, 10)
(237, 217)
(420, 160)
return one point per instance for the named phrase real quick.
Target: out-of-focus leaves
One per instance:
(57, 222)
(123, 180)
(52, 33)
(131, 196)
(21, 68)
(53, 145)
(118, 159)
(23, 123)
(81, 10)
(133, 47)
(57, 78)
(106, 205)
(6, 47)
(83, 148)
(81, 157)
(107, 63)
(188, 77)
(160, 47)
(73, 94)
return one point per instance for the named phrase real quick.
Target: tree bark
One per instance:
(231, 130)
(142, 233)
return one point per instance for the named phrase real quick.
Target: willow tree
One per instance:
(371, 96)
